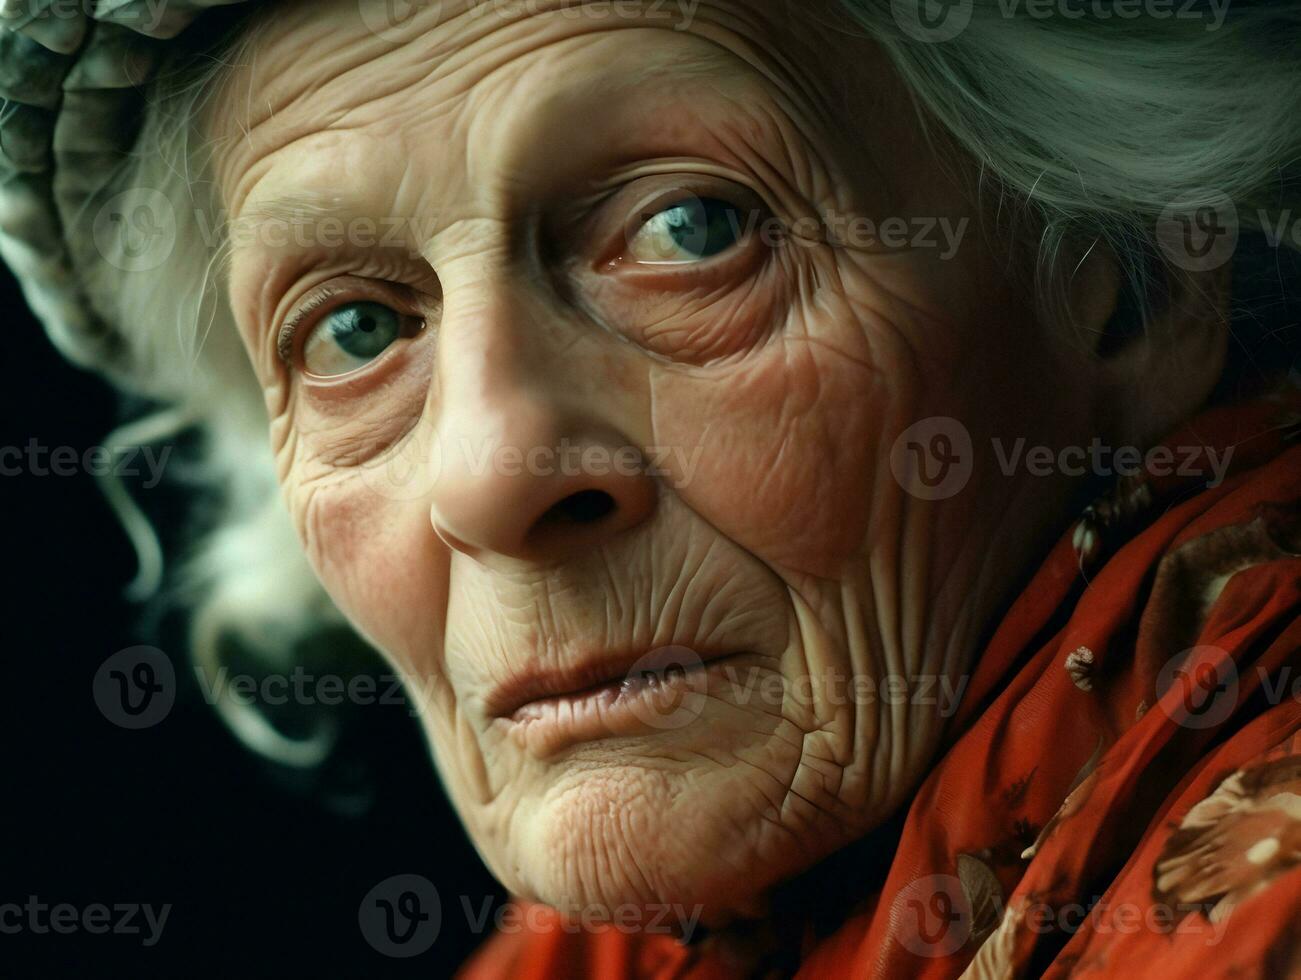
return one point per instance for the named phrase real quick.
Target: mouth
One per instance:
(637, 692)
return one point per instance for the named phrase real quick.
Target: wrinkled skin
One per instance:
(518, 144)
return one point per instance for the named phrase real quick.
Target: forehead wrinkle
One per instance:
(702, 63)
(736, 31)
(303, 203)
(432, 47)
(456, 47)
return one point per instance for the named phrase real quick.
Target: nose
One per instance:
(530, 468)
(538, 499)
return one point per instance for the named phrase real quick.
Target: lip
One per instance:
(624, 693)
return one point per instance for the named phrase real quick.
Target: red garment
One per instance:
(1121, 789)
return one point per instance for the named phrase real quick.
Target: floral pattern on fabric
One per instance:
(1236, 842)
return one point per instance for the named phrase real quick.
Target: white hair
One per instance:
(1088, 126)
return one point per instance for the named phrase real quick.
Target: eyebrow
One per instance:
(334, 221)
(298, 204)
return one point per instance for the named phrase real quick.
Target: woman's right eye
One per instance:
(688, 231)
(351, 336)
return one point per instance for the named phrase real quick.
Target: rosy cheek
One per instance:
(782, 448)
(381, 563)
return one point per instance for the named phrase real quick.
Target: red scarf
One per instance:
(1121, 789)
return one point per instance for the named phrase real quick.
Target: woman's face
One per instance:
(588, 336)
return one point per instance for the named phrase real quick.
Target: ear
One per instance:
(1151, 375)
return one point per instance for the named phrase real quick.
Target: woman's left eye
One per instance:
(687, 231)
(350, 337)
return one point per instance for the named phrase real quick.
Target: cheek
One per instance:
(380, 561)
(778, 453)
(354, 470)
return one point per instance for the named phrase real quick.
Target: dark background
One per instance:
(265, 868)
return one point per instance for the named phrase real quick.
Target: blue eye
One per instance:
(688, 231)
(349, 337)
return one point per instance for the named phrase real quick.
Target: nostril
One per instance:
(583, 507)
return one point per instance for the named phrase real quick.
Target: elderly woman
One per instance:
(698, 405)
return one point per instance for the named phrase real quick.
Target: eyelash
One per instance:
(294, 326)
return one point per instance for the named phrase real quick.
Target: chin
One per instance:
(682, 831)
